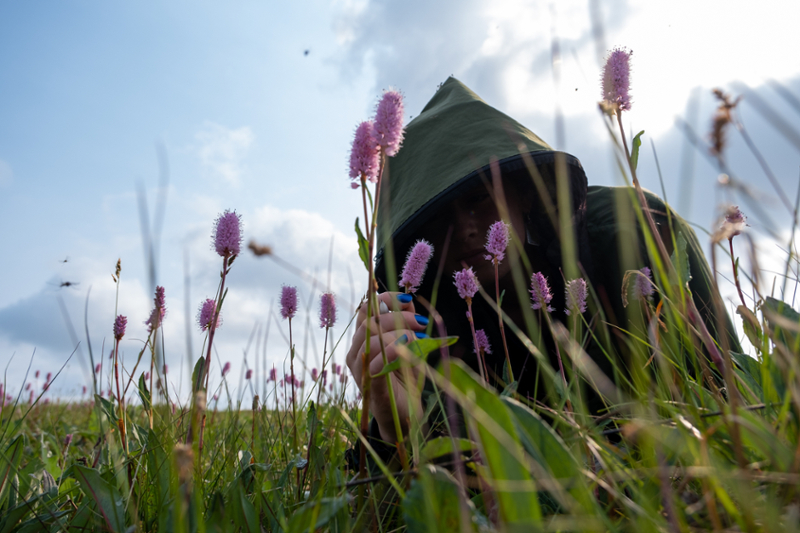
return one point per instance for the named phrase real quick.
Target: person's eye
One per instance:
(480, 197)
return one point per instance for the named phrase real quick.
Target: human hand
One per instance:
(397, 327)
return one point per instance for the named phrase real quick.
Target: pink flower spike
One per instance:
(165, 369)
(416, 264)
(497, 241)
(364, 155)
(327, 310)
(226, 368)
(273, 374)
(388, 130)
(576, 296)
(158, 312)
(483, 342)
(206, 314)
(616, 78)
(314, 374)
(540, 292)
(466, 283)
(119, 329)
(36, 374)
(248, 374)
(96, 368)
(643, 286)
(288, 301)
(84, 390)
(68, 439)
(228, 234)
(49, 375)
(147, 376)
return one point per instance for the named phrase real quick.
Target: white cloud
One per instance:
(222, 151)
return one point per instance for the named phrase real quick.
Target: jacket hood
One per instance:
(449, 145)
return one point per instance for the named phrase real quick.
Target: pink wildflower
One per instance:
(206, 314)
(96, 369)
(248, 374)
(388, 129)
(226, 368)
(416, 264)
(364, 155)
(158, 312)
(540, 292)
(616, 78)
(36, 374)
(466, 283)
(165, 369)
(84, 390)
(497, 241)
(273, 374)
(288, 301)
(27, 386)
(642, 286)
(735, 222)
(314, 374)
(483, 342)
(147, 376)
(228, 234)
(119, 330)
(327, 310)
(49, 375)
(576, 296)
(68, 439)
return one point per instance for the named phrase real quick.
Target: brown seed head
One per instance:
(259, 249)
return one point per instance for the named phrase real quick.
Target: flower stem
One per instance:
(736, 273)
(500, 319)
(212, 328)
(481, 360)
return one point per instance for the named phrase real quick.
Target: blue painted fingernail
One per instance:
(402, 340)
(421, 335)
(404, 298)
(421, 320)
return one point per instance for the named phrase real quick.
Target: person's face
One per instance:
(470, 215)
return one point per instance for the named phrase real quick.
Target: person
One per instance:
(463, 166)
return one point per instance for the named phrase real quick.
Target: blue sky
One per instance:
(248, 121)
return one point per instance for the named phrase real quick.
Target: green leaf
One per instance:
(244, 513)
(144, 394)
(501, 446)
(107, 407)
(363, 246)
(637, 142)
(197, 373)
(107, 498)
(14, 516)
(547, 448)
(420, 348)
(784, 320)
(315, 514)
(431, 504)
(9, 465)
(680, 260)
(441, 446)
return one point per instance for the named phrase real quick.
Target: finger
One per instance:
(390, 341)
(388, 322)
(392, 301)
(392, 351)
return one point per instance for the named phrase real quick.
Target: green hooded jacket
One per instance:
(451, 145)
